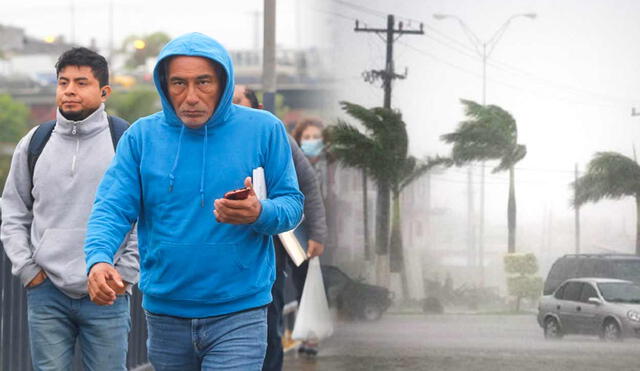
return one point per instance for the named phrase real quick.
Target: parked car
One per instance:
(352, 298)
(609, 308)
(620, 266)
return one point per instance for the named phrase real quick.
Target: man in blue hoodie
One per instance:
(206, 276)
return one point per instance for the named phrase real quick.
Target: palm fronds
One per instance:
(609, 175)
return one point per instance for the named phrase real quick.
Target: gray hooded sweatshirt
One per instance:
(44, 228)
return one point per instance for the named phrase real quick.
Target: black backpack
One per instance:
(117, 127)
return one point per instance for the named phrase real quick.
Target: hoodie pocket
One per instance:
(60, 253)
(196, 272)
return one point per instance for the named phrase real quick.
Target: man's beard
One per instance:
(77, 115)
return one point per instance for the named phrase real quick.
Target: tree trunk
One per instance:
(395, 243)
(396, 252)
(637, 224)
(365, 218)
(382, 233)
(511, 211)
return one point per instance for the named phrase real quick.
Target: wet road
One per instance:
(462, 342)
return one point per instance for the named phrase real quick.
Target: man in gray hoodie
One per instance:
(45, 208)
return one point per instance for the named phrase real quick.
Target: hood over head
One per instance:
(196, 45)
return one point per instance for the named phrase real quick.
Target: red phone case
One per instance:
(238, 194)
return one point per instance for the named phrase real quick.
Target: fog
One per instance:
(569, 77)
(238, 24)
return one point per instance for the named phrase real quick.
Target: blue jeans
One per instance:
(235, 341)
(56, 321)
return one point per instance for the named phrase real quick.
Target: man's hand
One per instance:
(314, 249)
(119, 290)
(104, 283)
(238, 211)
(38, 279)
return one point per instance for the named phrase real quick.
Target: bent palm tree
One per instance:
(411, 169)
(382, 151)
(490, 133)
(375, 151)
(610, 175)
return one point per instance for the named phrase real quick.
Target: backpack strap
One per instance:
(117, 127)
(36, 144)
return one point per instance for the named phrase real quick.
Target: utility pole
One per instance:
(387, 75)
(471, 225)
(577, 211)
(72, 12)
(256, 29)
(269, 56)
(111, 20)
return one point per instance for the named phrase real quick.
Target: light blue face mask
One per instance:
(312, 147)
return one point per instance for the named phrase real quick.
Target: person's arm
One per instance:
(282, 210)
(128, 264)
(115, 210)
(17, 216)
(314, 212)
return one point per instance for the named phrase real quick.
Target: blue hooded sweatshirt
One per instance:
(167, 176)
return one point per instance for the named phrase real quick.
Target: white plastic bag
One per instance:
(313, 320)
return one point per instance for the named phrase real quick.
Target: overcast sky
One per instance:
(569, 77)
(231, 22)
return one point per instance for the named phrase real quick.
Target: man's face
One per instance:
(78, 93)
(239, 97)
(194, 89)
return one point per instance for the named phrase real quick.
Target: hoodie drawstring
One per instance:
(204, 166)
(172, 178)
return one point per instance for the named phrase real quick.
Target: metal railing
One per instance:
(14, 334)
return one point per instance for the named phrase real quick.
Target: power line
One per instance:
(388, 74)
(511, 86)
(462, 48)
(361, 8)
(334, 14)
(512, 69)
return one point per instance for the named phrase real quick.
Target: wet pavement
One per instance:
(461, 342)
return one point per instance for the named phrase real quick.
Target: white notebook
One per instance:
(288, 239)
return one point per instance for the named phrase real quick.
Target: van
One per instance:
(620, 266)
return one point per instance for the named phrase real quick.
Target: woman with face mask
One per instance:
(308, 135)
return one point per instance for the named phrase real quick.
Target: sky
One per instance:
(570, 79)
(231, 22)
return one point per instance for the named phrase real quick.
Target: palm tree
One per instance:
(490, 133)
(382, 151)
(378, 151)
(610, 175)
(410, 170)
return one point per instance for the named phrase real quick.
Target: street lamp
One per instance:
(484, 49)
(139, 44)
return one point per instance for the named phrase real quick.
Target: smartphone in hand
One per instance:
(238, 194)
